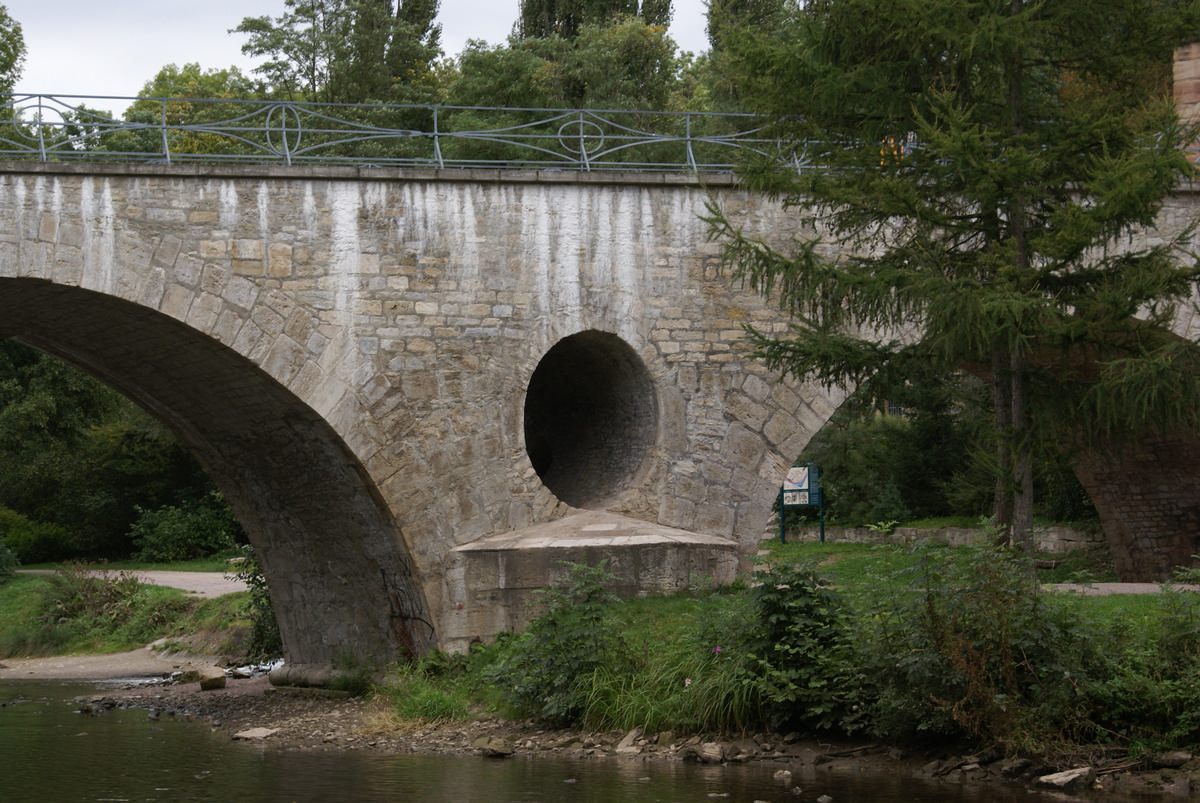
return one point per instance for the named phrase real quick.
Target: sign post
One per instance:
(801, 488)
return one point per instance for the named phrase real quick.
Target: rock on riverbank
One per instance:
(317, 720)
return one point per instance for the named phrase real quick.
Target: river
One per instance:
(50, 752)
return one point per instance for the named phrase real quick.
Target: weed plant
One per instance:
(430, 691)
(265, 642)
(545, 671)
(917, 644)
(81, 607)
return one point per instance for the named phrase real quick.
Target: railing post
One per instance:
(583, 154)
(41, 133)
(437, 141)
(283, 131)
(691, 157)
(162, 128)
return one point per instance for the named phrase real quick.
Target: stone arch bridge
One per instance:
(421, 390)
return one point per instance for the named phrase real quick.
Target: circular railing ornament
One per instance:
(283, 130)
(39, 123)
(582, 138)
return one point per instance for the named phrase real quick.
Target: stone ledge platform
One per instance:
(492, 583)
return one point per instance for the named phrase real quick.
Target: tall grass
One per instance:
(80, 608)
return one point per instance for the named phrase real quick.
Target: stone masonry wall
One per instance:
(387, 324)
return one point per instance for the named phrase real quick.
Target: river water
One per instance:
(51, 752)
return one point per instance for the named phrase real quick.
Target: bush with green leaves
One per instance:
(265, 642)
(801, 650)
(544, 670)
(8, 562)
(175, 533)
(33, 541)
(971, 648)
(84, 607)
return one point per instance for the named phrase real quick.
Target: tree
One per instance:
(179, 98)
(975, 166)
(77, 460)
(625, 65)
(345, 51)
(727, 21)
(12, 51)
(566, 18)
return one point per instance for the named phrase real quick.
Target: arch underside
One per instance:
(338, 571)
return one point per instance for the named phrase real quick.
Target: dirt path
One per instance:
(143, 663)
(204, 584)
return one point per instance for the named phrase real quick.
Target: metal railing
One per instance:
(189, 130)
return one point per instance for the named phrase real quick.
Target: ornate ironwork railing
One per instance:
(183, 130)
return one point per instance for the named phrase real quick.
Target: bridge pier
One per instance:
(1147, 492)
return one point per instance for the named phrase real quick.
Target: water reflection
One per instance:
(51, 752)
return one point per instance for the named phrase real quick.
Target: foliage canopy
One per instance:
(970, 170)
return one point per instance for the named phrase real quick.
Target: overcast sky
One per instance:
(85, 47)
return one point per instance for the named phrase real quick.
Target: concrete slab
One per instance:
(493, 583)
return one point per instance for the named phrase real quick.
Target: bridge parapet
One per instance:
(225, 131)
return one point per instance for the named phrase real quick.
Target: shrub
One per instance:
(265, 642)
(801, 650)
(545, 669)
(8, 562)
(82, 607)
(33, 541)
(973, 649)
(173, 533)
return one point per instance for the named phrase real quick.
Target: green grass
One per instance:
(70, 612)
(849, 566)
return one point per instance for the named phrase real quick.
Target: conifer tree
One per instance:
(974, 168)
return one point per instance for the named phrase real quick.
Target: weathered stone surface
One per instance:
(493, 747)
(1068, 779)
(1173, 759)
(211, 677)
(627, 745)
(255, 734)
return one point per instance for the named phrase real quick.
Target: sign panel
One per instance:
(795, 497)
(802, 486)
(797, 479)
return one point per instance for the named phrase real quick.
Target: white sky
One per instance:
(85, 47)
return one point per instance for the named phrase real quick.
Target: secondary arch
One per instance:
(335, 560)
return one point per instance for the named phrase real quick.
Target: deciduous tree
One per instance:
(566, 18)
(345, 51)
(12, 51)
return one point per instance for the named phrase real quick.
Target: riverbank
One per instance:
(289, 719)
(292, 720)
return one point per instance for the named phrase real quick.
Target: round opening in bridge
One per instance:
(591, 417)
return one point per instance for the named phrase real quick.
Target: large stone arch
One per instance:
(397, 317)
(335, 561)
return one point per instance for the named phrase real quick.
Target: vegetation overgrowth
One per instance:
(911, 644)
(89, 608)
(920, 644)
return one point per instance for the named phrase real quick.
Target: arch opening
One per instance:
(591, 417)
(336, 564)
